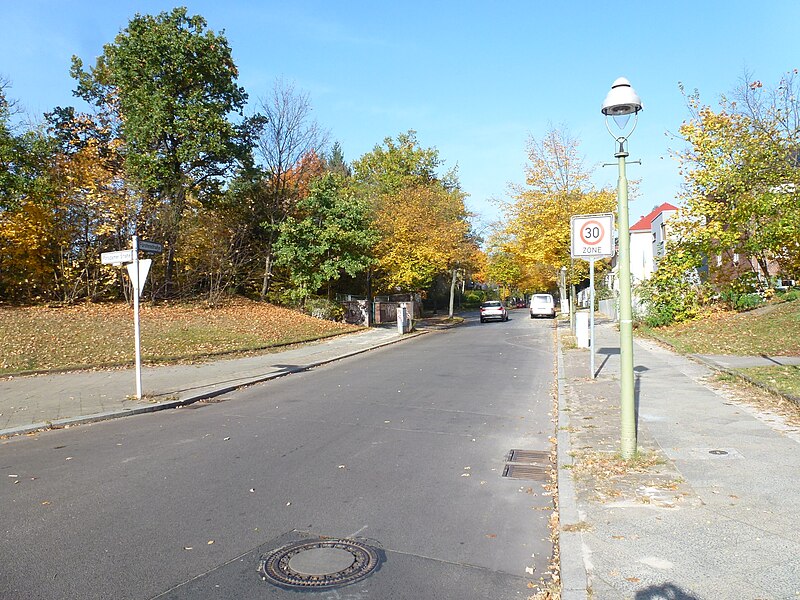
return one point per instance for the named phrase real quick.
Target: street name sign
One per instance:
(592, 236)
(117, 257)
(152, 247)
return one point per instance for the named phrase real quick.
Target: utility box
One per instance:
(582, 329)
(403, 319)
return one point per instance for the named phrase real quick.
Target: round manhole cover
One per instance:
(319, 564)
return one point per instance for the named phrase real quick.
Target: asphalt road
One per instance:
(402, 447)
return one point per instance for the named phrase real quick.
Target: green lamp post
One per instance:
(620, 103)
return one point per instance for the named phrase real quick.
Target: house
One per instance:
(647, 243)
(648, 239)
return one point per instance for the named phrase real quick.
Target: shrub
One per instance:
(743, 293)
(474, 298)
(322, 308)
(673, 293)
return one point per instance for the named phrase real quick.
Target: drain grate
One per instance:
(528, 456)
(533, 472)
(532, 465)
(319, 564)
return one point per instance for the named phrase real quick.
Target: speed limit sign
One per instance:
(592, 236)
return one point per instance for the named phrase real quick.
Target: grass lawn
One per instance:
(101, 335)
(784, 378)
(773, 330)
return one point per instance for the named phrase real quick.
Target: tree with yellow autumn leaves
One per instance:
(533, 244)
(420, 214)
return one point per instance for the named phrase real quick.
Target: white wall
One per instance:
(641, 256)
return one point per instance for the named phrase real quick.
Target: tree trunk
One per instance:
(452, 291)
(169, 271)
(267, 276)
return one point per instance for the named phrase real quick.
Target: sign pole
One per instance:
(136, 332)
(591, 315)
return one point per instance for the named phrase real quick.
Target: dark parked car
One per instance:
(493, 309)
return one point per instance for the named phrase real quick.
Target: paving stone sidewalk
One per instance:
(38, 402)
(710, 512)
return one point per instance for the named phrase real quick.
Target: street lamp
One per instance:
(620, 103)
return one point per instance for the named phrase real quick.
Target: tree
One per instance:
(424, 233)
(335, 162)
(331, 236)
(742, 178)
(288, 147)
(421, 214)
(537, 232)
(171, 83)
(28, 246)
(9, 153)
(402, 164)
(24, 156)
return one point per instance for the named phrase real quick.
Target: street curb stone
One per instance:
(171, 404)
(572, 568)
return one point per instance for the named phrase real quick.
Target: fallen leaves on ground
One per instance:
(91, 335)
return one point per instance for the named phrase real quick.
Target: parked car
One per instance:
(493, 309)
(543, 305)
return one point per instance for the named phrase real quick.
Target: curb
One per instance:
(170, 404)
(734, 373)
(721, 369)
(573, 569)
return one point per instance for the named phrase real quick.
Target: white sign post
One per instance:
(137, 271)
(592, 238)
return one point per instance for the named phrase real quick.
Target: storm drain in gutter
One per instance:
(531, 465)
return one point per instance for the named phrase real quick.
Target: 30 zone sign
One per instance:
(592, 236)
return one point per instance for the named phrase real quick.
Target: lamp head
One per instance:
(621, 100)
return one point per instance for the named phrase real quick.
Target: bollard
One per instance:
(582, 329)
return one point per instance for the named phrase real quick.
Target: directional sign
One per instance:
(117, 258)
(151, 247)
(592, 236)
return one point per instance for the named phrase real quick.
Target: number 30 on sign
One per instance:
(592, 236)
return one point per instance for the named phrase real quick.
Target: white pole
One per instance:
(591, 315)
(136, 334)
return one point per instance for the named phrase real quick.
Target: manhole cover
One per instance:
(319, 564)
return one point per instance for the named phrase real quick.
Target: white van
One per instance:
(543, 305)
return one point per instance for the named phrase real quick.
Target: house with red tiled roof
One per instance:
(648, 238)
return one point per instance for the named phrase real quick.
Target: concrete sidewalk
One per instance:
(711, 514)
(39, 402)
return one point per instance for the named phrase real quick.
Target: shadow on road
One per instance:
(666, 591)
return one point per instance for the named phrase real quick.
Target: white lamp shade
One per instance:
(622, 99)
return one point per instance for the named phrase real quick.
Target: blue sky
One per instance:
(474, 79)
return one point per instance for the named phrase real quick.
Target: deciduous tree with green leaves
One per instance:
(330, 236)
(172, 85)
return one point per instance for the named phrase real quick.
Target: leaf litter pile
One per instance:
(85, 336)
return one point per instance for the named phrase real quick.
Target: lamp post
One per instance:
(620, 103)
